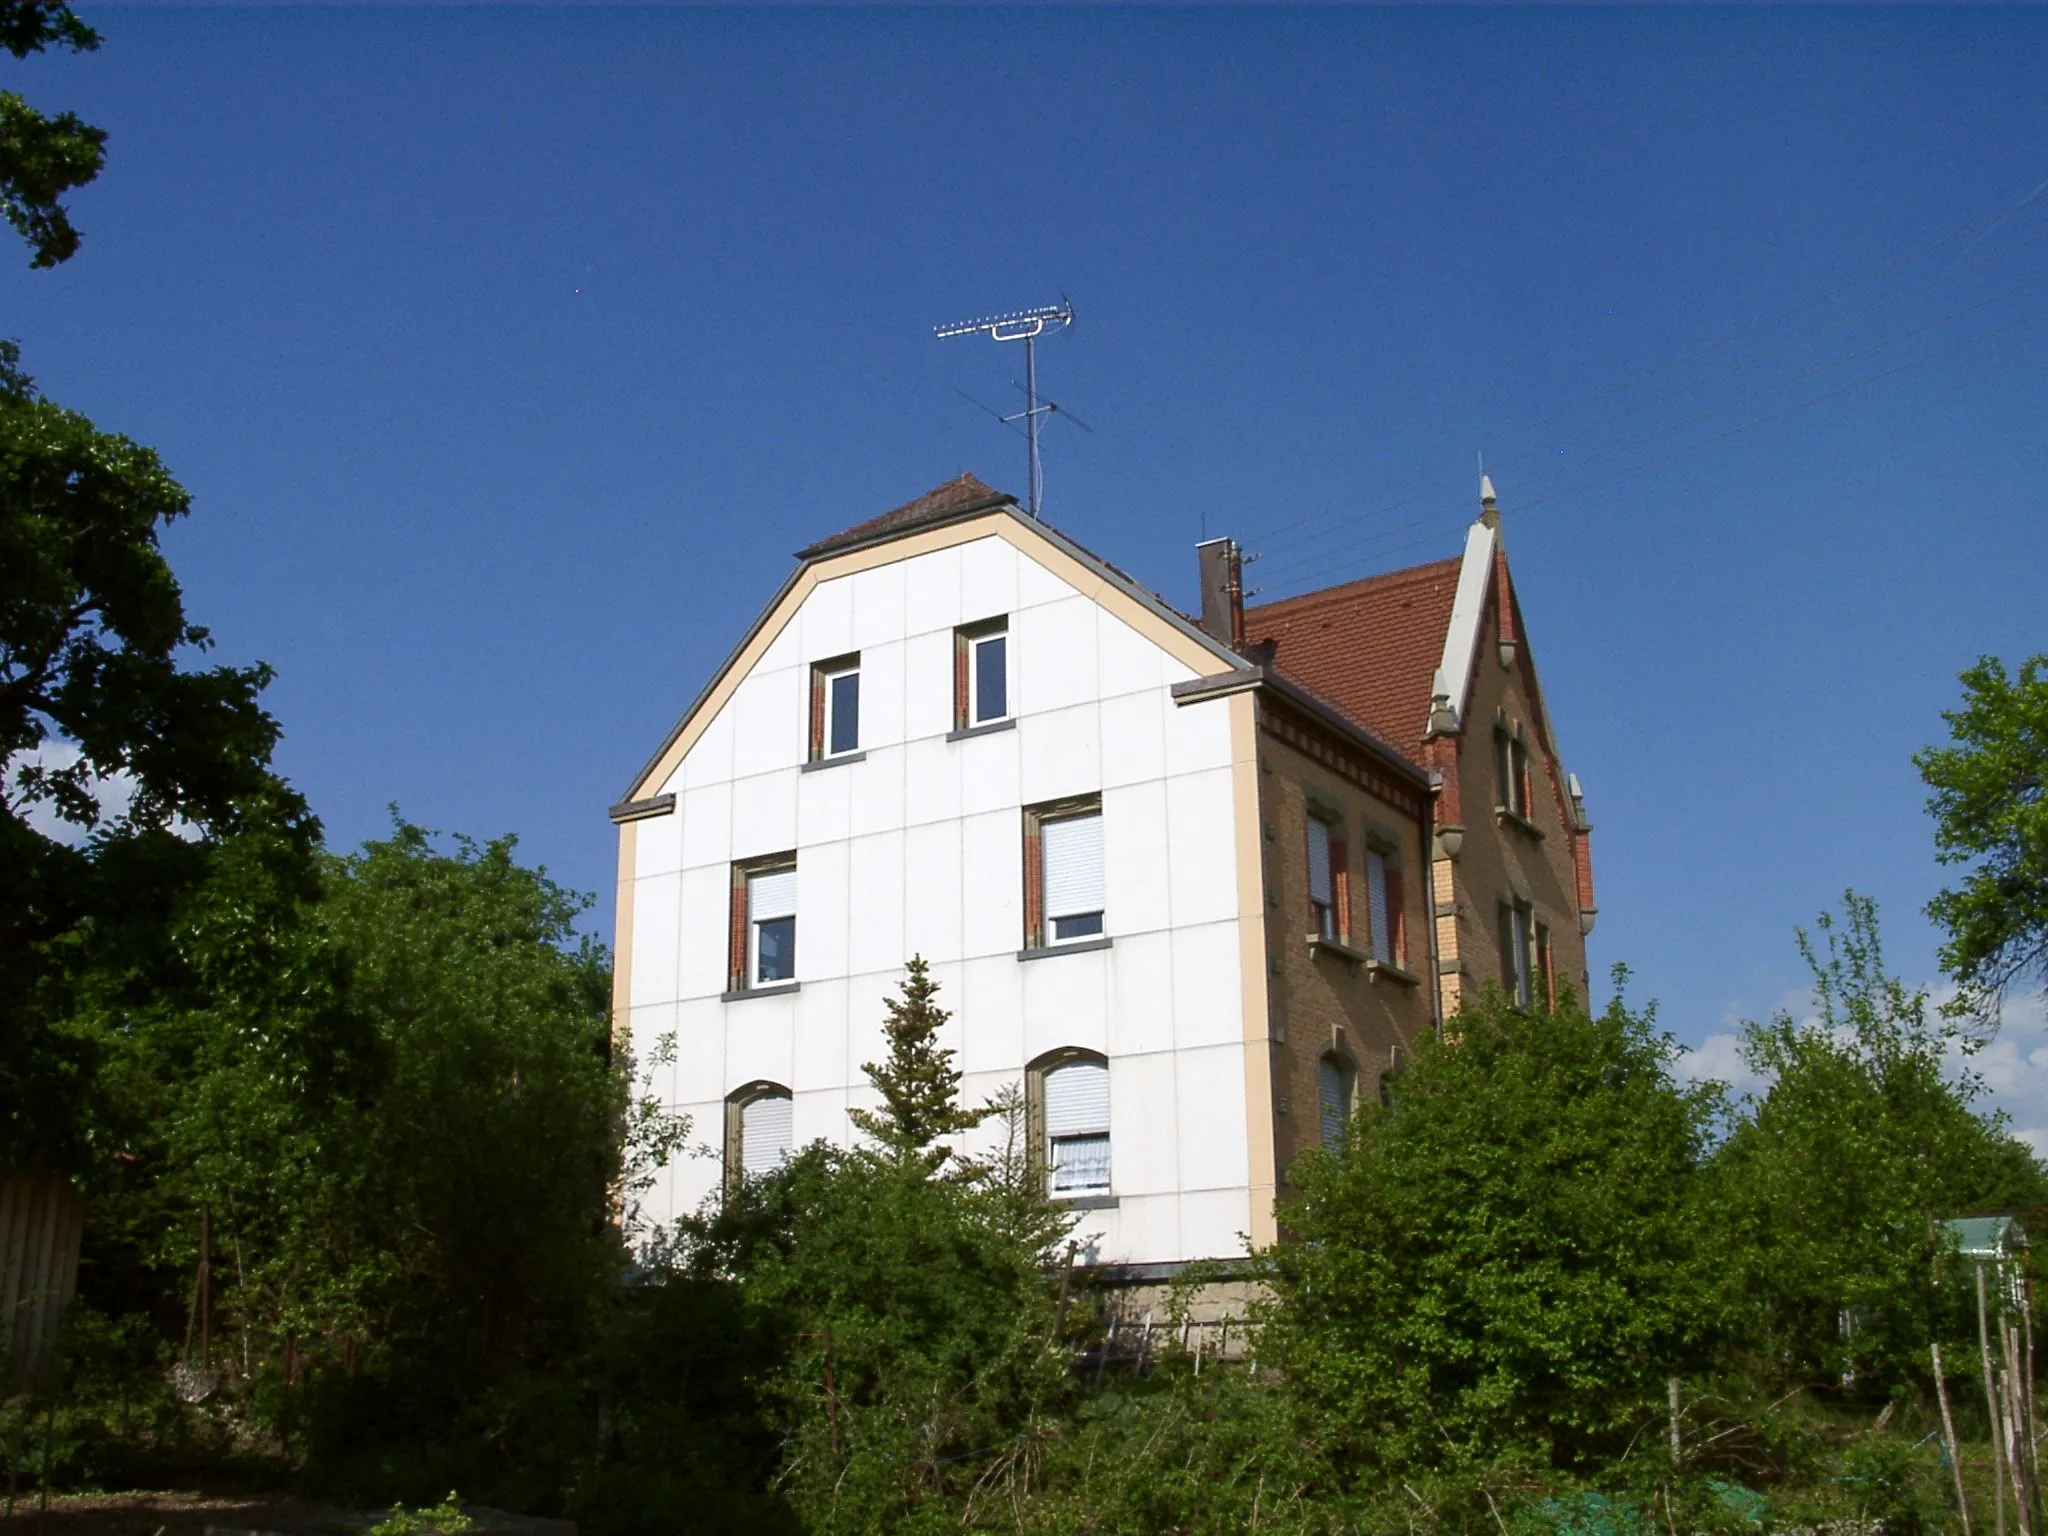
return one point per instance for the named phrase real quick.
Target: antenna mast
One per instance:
(1026, 325)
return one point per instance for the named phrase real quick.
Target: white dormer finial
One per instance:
(1489, 508)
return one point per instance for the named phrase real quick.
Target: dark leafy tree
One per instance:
(122, 767)
(42, 158)
(919, 1084)
(1990, 807)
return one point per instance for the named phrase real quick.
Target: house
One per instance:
(1436, 659)
(1182, 894)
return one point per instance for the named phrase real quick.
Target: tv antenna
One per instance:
(1026, 325)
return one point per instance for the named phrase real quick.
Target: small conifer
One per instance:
(919, 1084)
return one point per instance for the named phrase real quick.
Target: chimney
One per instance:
(1222, 591)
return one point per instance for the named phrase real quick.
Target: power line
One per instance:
(1577, 487)
(1599, 455)
(1975, 228)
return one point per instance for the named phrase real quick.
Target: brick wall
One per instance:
(1323, 1003)
(1500, 857)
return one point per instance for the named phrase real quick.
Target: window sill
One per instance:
(1073, 947)
(1377, 969)
(1085, 1202)
(1516, 819)
(833, 762)
(1008, 723)
(1317, 944)
(773, 989)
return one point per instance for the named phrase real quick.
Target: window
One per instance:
(763, 924)
(1384, 907)
(1511, 770)
(1546, 982)
(1333, 1101)
(981, 674)
(758, 1132)
(1515, 945)
(1329, 893)
(1063, 876)
(1076, 1097)
(835, 707)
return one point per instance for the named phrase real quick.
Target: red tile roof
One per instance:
(1369, 647)
(956, 498)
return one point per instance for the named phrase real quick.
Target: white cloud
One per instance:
(2014, 1069)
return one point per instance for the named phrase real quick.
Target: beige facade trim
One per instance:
(1003, 523)
(1263, 1156)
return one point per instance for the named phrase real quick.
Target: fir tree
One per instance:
(919, 1084)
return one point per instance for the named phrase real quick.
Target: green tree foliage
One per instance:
(918, 1364)
(1831, 1186)
(122, 769)
(1501, 1261)
(1990, 808)
(402, 1122)
(919, 1084)
(42, 158)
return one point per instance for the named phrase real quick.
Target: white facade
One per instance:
(918, 848)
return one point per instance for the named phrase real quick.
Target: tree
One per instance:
(1502, 1260)
(400, 1120)
(916, 1367)
(1990, 808)
(919, 1084)
(124, 769)
(1830, 1188)
(42, 158)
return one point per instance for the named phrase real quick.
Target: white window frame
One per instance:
(831, 708)
(1054, 1137)
(755, 918)
(1048, 917)
(994, 634)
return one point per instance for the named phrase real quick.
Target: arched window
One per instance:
(1070, 1092)
(1333, 1101)
(758, 1131)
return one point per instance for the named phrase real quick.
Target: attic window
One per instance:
(981, 674)
(835, 707)
(1511, 772)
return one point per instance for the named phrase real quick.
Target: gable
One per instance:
(837, 603)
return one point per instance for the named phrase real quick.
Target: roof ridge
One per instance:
(963, 495)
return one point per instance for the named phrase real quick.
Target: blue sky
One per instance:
(508, 353)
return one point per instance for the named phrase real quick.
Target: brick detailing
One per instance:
(1329, 751)
(1441, 754)
(1034, 884)
(1503, 594)
(961, 649)
(736, 967)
